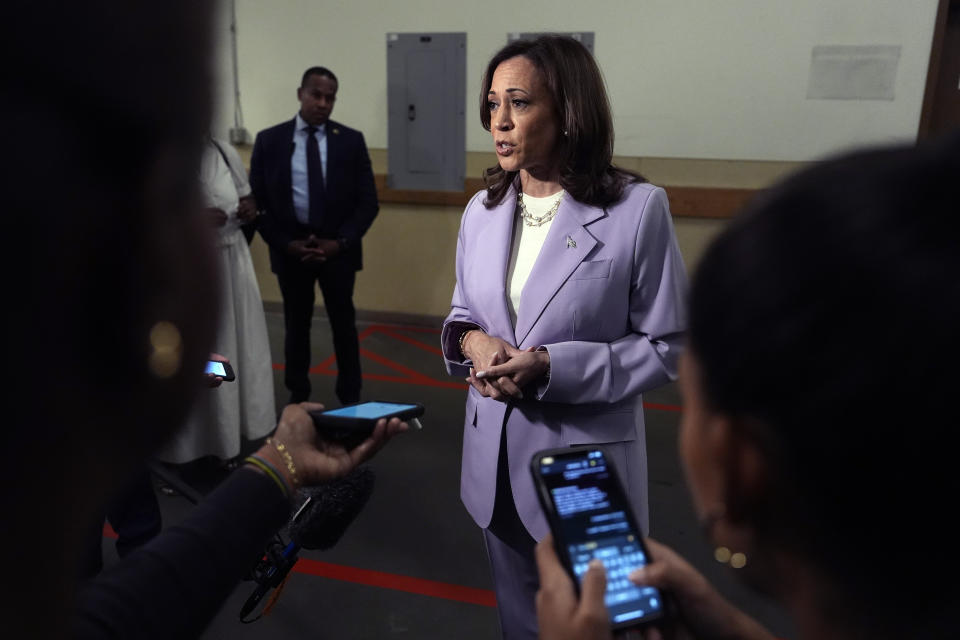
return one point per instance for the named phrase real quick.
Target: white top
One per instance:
(223, 184)
(298, 166)
(527, 242)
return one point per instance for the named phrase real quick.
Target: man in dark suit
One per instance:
(313, 183)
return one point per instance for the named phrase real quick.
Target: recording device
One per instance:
(221, 369)
(325, 512)
(320, 520)
(354, 423)
(590, 517)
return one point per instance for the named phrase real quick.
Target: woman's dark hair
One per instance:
(825, 321)
(575, 83)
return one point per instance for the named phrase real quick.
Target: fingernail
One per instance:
(596, 563)
(481, 374)
(637, 575)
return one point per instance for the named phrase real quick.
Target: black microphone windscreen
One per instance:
(331, 509)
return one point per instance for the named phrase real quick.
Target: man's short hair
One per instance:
(318, 71)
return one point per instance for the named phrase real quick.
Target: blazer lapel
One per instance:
(334, 151)
(495, 240)
(567, 244)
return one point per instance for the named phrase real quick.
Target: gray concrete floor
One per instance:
(415, 525)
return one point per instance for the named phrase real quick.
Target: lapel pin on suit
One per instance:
(336, 132)
(571, 243)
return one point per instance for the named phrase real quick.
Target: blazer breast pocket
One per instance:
(592, 270)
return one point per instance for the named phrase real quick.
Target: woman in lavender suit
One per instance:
(569, 302)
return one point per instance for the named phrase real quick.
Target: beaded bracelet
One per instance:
(460, 341)
(269, 471)
(287, 458)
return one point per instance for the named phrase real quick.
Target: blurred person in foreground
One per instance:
(569, 303)
(107, 108)
(819, 400)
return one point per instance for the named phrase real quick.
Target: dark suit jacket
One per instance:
(351, 196)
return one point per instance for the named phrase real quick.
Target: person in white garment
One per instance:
(243, 408)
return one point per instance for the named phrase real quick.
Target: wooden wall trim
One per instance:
(707, 202)
(688, 202)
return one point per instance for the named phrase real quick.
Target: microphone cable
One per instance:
(318, 523)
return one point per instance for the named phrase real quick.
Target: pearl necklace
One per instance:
(533, 221)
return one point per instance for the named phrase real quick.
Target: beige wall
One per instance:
(722, 80)
(708, 94)
(409, 252)
(409, 257)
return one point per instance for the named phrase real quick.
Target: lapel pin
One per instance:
(336, 132)
(571, 243)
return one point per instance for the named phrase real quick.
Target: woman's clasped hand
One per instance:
(500, 370)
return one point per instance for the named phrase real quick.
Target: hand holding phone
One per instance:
(221, 370)
(591, 518)
(561, 615)
(354, 423)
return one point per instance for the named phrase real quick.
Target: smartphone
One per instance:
(590, 517)
(353, 424)
(222, 369)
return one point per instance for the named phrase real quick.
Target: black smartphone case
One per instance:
(352, 431)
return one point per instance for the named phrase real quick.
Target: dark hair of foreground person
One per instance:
(824, 324)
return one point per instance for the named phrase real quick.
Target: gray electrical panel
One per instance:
(426, 98)
(583, 37)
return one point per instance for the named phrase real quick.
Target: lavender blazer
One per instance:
(606, 297)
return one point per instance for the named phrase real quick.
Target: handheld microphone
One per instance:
(327, 510)
(322, 517)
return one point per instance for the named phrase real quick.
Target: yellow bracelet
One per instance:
(270, 472)
(287, 459)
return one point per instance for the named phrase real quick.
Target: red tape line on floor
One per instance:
(383, 580)
(447, 591)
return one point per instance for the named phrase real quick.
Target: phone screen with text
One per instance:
(594, 523)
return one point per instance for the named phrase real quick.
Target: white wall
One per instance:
(688, 79)
(223, 71)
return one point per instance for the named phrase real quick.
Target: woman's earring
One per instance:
(166, 350)
(735, 559)
(724, 555)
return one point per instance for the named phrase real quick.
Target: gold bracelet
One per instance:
(462, 338)
(287, 459)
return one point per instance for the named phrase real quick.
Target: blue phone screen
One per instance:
(215, 368)
(370, 410)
